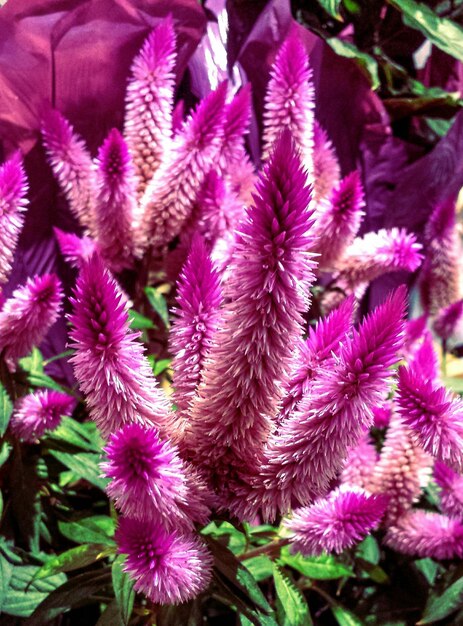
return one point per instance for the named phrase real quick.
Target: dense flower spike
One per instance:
(337, 522)
(360, 462)
(322, 342)
(338, 221)
(74, 249)
(72, 165)
(425, 534)
(425, 360)
(236, 123)
(449, 320)
(116, 202)
(148, 479)
(308, 451)
(27, 316)
(266, 294)
(439, 278)
(378, 253)
(403, 470)
(39, 412)
(109, 363)
(150, 91)
(382, 415)
(326, 168)
(451, 489)
(199, 297)
(13, 203)
(289, 101)
(167, 567)
(435, 417)
(169, 198)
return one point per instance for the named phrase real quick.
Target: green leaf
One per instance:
(97, 529)
(84, 464)
(25, 497)
(161, 366)
(139, 321)
(33, 362)
(368, 549)
(292, 609)
(25, 594)
(123, 590)
(6, 409)
(40, 379)
(345, 617)
(110, 616)
(366, 62)
(76, 592)
(439, 607)
(375, 572)
(6, 572)
(323, 567)
(84, 436)
(331, 7)
(5, 450)
(72, 559)
(428, 568)
(261, 567)
(441, 31)
(159, 304)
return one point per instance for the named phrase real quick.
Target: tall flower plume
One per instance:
(451, 489)
(360, 462)
(199, 297)
(439, 278)
(73, 167)
(337, 522)
(116, 202)
(74, 249)
(321, 342)
(27, 316)
(289, 101)
(338, 221)
(169, 198)
(40, 412)
(149, 480)
(403, 470)
(13, 203)
(169, 568)
(433, 415)
(308, 451)
(265, 296)
(425, 361)
(448, 320)
(425, 534)
(149, 99)
(326, 168)
(109, 363)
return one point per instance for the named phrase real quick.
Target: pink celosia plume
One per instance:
(326, 168)
(451, 489)
(39, 412)
(13, 203)
(74, 249)
(360, 462)
(27, 316)
(449, 320)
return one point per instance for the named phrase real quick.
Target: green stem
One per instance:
(269, 548)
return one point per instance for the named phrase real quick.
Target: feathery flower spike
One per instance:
(360, 462)
(426, 534)
(337, 522)
(199, 297)
(149, 99)
(39, 412)
(382, 415)
(451, 489)
(27, 316)
(170, 197)
(425, 360)
(289, 101)
(13, 203)
(236, 123)
(266, 293)
(308, 451)
(73, 167)
(322, 341)
(116, 202)
(439, 277)
(403, 470)
(433, 414)
(169, 568)
(149, 481)
(326, 168)
(109, 362)
(219, 208)
(74, 249)
(338, 221)
(448, 320)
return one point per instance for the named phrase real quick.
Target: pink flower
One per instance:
(451, 489)
(289, 101)
(169, 568)
(72, 165)
(149, 481)
(448, 320)
(325, 166)
(116, 202)
(74, 249)
(149, 99)
(434, 416)
(360, 462)
(38, 413)
(109, 362)
(337, 522)
(27, 316)
(13, 203)
(382, 415)
(425, 534)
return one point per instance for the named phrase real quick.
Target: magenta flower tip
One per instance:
(325, 164)
(167, 567)
(451, 489)
(238, 116)
(448, 320)
(40, 412)
(74, 249)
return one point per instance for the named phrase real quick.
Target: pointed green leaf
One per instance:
(25, 594)
(292, 609)
(366, 62)
(345, 617)
(73, 559)
(323, 567)
(6, 409)
(139, 321)
(84, 436)
(98, 529)
(158, 302)
(439, 607)
(123, 590)
(331, 7)
(84, 464)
